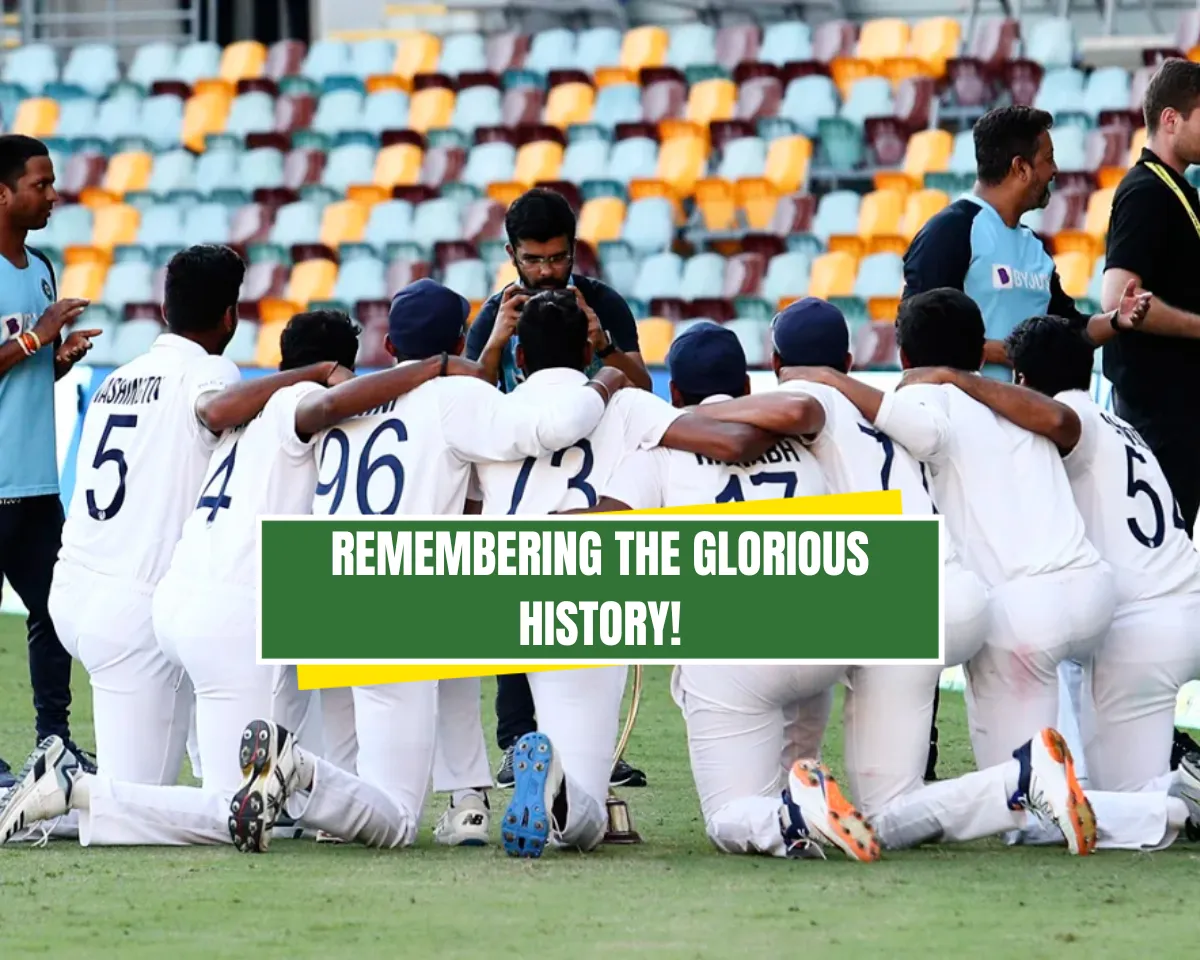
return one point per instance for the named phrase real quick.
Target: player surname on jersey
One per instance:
(569, 553)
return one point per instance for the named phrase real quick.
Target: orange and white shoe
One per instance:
(828, 817)
(1048, 788)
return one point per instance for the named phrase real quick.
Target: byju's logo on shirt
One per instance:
(1006, 278)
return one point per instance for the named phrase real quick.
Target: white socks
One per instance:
(306, 768)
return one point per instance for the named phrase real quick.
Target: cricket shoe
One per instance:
(268, 760)
(624, 775)
(464, 824)
(825, 815)
(1048, 788)
(504, 776)
(537, 780)
(43, 789)
(1188, 789)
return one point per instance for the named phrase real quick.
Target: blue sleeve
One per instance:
(940, 253)
(481, 329)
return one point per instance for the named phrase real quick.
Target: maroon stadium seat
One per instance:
(1065, 211)
(758, 97)
(834, 38)
(722, 131)
(793, 214)
(303, 167)
(627, 131)
(483, 220)
(969, 83)
(496, 135)
(521, 105)
(446, 252)
(251, 223)
(506, 51)
(874, 346)
(258, 85)
(1022, 78)
(82, 170)
(993, 41)
(1106, 147)
(737, 44)
(586, 261)
(914, 101)
(669, 308)
(568, 191)
(284, 59)
(801, 68)
(442, 165)
(276, 141)
(371, 349)
(887, 139)
(712, 308)
(663, 100)
(766, 244)
(400, 273)
(264, 280)
(294, 112)
(744, 274)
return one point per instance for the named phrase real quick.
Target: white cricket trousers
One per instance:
(1036, 623)
(209, 629)
(735, 730)
(888, 710)
(1131, 687)
(460, 759)
(380, 808)
(141, 701)
(580, 712)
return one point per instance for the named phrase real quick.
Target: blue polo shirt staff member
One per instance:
(541, 242)
(978, 245)
(32, 356)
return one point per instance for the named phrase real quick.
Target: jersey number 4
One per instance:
(1135, 486)
(106, 454)
(577, 482)
(366, 469)
(218, 501)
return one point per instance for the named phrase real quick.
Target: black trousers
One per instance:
(515, 714)
(30, 536)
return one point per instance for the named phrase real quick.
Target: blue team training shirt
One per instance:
(1005, 270)
(28, 458)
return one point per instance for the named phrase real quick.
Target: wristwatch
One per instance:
(1112, 321)
(609, 347)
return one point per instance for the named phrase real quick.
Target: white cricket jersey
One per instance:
(1003, 490)
(1128, 509)
(574, 475)
(858, 458)
(259, 469)
(650, 479)
(414, 454)
(141, 459)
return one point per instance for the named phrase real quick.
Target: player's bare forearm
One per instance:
(222, 410)
(717, 440)
(995, 351)
(321, 409)
(782, 413)
(1026, 408)
(603, 505)
(632, 365)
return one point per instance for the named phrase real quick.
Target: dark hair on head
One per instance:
(15, 152)
(552, 331)
(539, 215)
(1005, 133)
(1052, 353)
(318, 336)
(203, 281)
(1176, 84)
(941, 328)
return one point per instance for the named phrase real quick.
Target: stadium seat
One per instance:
(644, 47)
(127, 282)
(537, 161)
(197, 61)
(879, 275)
(832, 275)
(880, 212)
(204, 114)
(312, 280)
(552, 50)
(128, 171)
(1074, 272)
(385, 110)
(1052, 43)
(361, 278)
(919, 208)
(962, 154)
(252, 112)
(389, 222)
(787, 276)
(326, 58)
(242, 61)
(296, 223)
(172, 170)
(869, 97)
(84, 281)
(476, 107)
(33, 66)
(398, 164)
(681, 163)
(703, 277)
(417, 53)
(161, 120)
(152, 62)
(570, 103)
(617, 103)
(758, 97)
(93, 67)
(468, 278)
(1069, 147)
(76, 118)
(743, 157)
(649, 225)
(36, 117)
(430, 109)
(881, 39)
(1108, 88)
(633, 159)
(114, 224)
(436, 221)
(601, 219)
(489, 162)
(934, 41)
(344, 222)
(585, 160)
(338, 111)
(711, 100)
(133, 338)
(809, 100)
(462, 53)
(654, 339)
(787, 163)
(928, 151)
(786, 41)
(663, 99)
(753, 335)
(206, 223)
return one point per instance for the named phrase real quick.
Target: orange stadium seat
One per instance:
(880, 213)
(919, 208)
(601, 219)
(114, 225)
(344, 222)
(934, 41)
(847, 71)
(570, 103)
(832, 275)
(1137, 145)
(243, 60)
(644, 47)
(504, 276)
(927, 152)
(266, 352)
(714, 197)
(398, 164)
(880, 39)
(1075, 272)
(787, 164)
(312, 280)
(654, 339)
(83, 281)
(128, 171)
(681, 162)
(431, 109)
(757, 198)
(36, 117)
(539, 160)
(711, 100)
(204, 114)
(417, 53)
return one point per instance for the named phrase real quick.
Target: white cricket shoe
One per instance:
(464, 824)
(43, 789)
(1048, 788)
(1188, 787)
(826, 815)
(269, 776)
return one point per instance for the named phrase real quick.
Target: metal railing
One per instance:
(68, 23)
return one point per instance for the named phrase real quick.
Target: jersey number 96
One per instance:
(367, 468)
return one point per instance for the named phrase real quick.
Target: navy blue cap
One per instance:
(707, 358)
(426, 319)
(811, 333)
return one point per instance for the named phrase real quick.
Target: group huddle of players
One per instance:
(1063, 545)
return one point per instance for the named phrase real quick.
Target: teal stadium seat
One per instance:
(242, 348)
(216, 169)
(692, 44)
(584, 160)
(617, 103)
(703, 277)
(786, 41)
(1107, 88)
(659, 275)
(837, 213)
(552, 50)
(349, 165)
(161, 120)
(869, 97)
(1070, 147)
(77, 118)
(338, 111)
(596, 47)
(33, 66)
(197, 61)
(374, 57)
(476, 107)
(880, 275)
(327, 58)
(468, 278)
(152, 62)
(787, 276)
(128, 282)
(172, 170)
(361, 278)
(389, 222)
(252, 112)
(298, 222)
(462, 53)
(753, 335)
(436, 221)
(261, 168)
(133, 338)
(649, 225)
(807, 101)
(92, 66)
(489, 163)
(633, 159)
(1052, 43)
(161, 224)
(385, 110)
(743, 157)
(120, 116)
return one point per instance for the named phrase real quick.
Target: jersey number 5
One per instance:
(106, 454)
(1135, 486)
(366, 469)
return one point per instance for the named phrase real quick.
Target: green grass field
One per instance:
(672, 896)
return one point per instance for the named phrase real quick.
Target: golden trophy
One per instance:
(620, 824)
